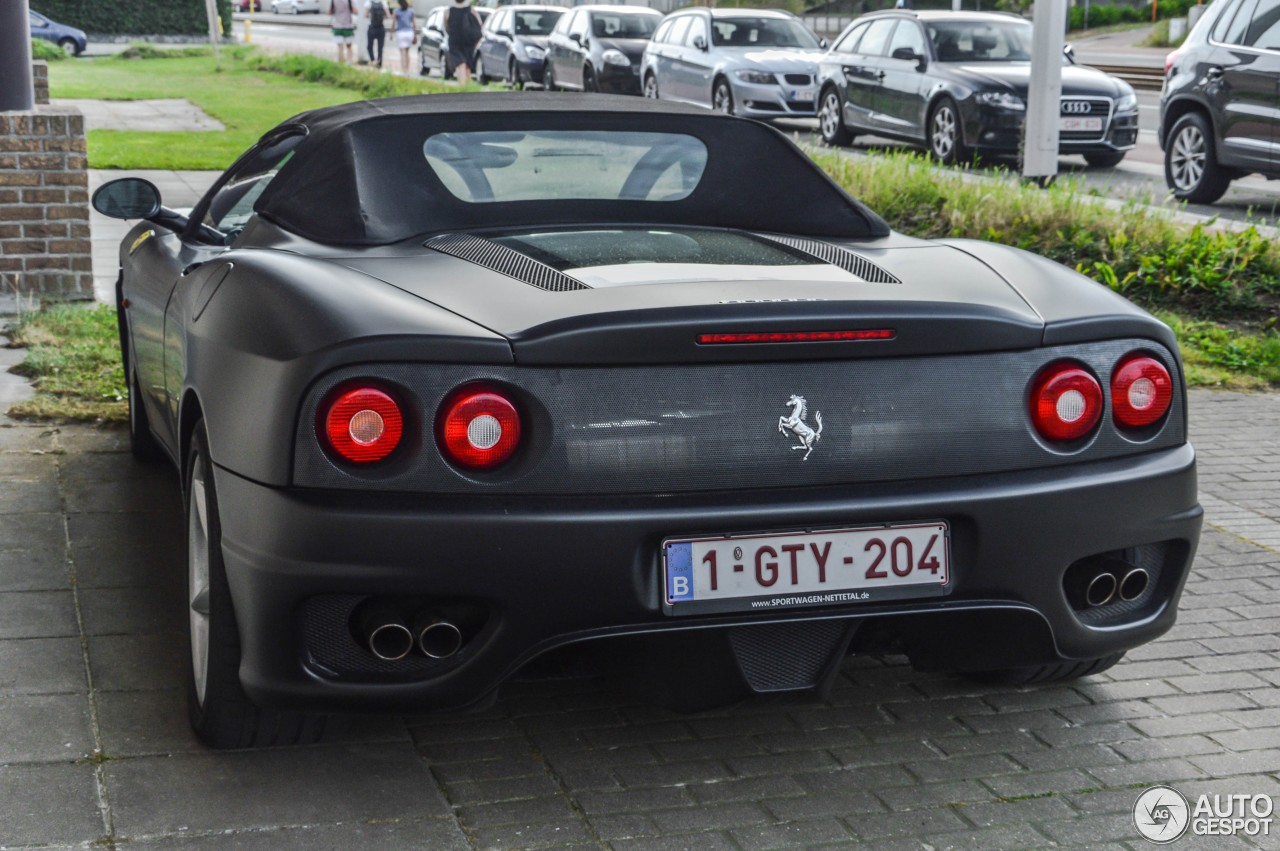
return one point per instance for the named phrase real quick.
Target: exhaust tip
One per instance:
(439, 639)
(1100, 589)
(390, 642)
(1134, 583)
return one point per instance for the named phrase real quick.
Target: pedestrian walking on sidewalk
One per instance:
(343, 16)
(462, 25)
(376, 11)
(406, 32)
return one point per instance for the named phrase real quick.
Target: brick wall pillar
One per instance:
(44, 205)
(40, 80)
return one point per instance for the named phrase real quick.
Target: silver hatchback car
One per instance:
(759, 62)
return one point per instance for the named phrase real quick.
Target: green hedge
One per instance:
(1106, 15)
(134, 17)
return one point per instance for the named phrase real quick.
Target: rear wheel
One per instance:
(549, 78)
(1057, 672)
(222, 716)
(722, 97)
(946, 138)
(831, 119)
(1107, 160)
(651, 86)
(1190, 163)
(589, 83)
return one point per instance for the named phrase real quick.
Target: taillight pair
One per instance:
(477, 427)
(1066, 401)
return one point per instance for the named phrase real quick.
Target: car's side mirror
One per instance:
(700, 42)
(127, 198)
(135, 198)
(576, 38)
(1069, 52)
(823, 43)
(907, 54)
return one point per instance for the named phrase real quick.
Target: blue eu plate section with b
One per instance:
(679, 571)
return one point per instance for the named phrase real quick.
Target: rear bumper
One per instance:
(553, 571)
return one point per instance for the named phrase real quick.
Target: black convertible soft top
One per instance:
(360, 177)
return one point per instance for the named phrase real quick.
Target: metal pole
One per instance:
(211, 10)
(1044, 96)
(16, 90)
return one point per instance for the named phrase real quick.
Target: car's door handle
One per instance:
(1214, 73)
(880, 76)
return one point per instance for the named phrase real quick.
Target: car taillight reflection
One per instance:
(1141, 390)
(362, 424)
(478, 428)
(1066, 402)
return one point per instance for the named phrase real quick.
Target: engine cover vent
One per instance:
(855, 264)
(499, 258)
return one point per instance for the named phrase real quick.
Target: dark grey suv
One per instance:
(1220, 110)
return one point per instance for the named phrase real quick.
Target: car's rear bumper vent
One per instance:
(855, 264)
(499, 258)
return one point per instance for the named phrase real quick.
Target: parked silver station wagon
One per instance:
(759, 63)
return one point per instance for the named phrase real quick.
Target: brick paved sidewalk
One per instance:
(94, 749)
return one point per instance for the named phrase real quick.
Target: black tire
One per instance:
(69, 46)
(650, 87)
(549, 78)
(513, 74)
(222, 716)
(831, 118)
(481, 77)
(1191, 167)
(1107, 160)
(589, 83)
(944, 133)
(1057, 672)
(722, 96)
(446, 68)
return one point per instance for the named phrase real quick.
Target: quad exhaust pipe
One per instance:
(387, 634)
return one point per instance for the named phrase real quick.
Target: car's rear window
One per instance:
(554, 165)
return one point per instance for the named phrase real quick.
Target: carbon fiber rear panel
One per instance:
(664, 429)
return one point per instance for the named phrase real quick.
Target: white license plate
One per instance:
(1094, 124)
(802, 94)
(832, 567)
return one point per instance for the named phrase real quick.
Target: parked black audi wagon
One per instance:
(957, 83)
(1220, 109)
(531, 371)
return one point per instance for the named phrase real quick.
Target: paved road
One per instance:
(95, 752)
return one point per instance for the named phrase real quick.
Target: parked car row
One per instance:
(954, 82)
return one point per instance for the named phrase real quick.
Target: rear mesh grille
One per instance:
(855, 264)
(499, 258)
(786, 656)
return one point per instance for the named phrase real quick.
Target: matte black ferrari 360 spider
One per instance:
(453, 381)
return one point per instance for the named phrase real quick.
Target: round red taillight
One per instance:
(1141, 391)
(479, 428)
(1066, 402)
(363, 424)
